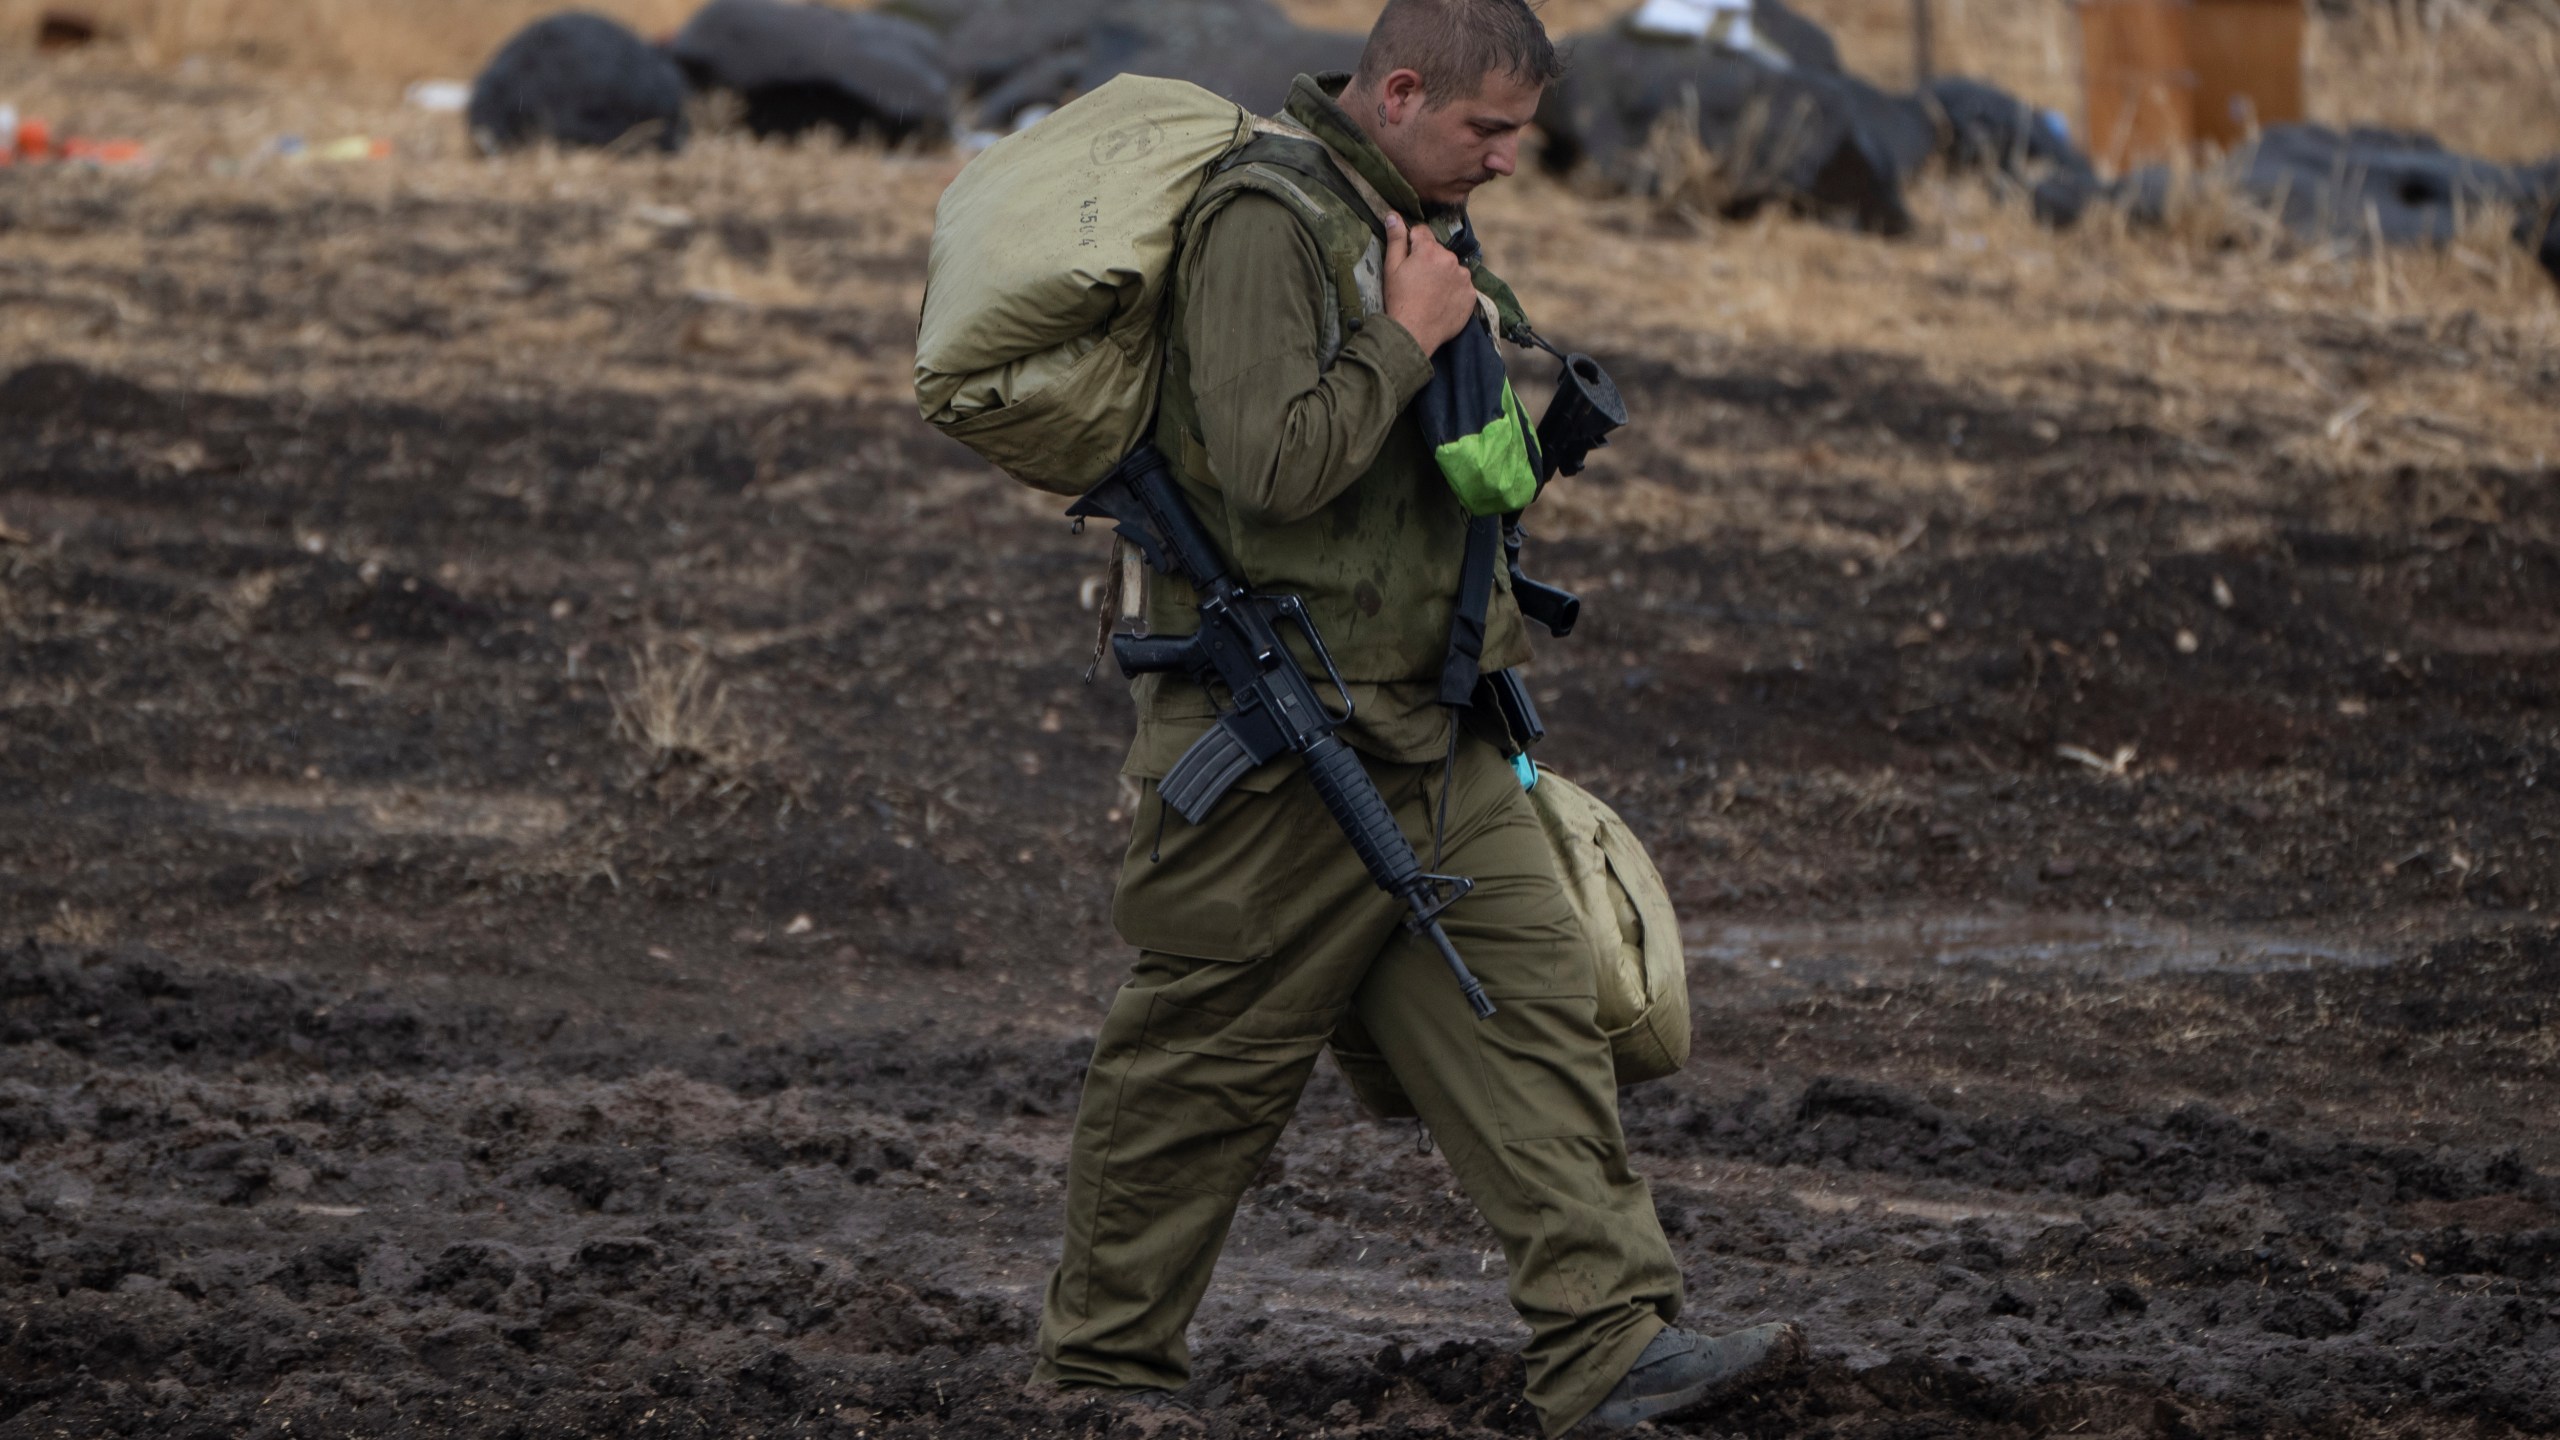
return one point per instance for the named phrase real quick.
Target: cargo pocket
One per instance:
(1191, 890)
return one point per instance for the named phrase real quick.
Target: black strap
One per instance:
(1466, 627)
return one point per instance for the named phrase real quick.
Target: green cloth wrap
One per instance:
(1484, 443)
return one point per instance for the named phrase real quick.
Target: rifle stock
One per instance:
(1584, 410)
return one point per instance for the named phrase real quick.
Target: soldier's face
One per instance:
(1445, 151)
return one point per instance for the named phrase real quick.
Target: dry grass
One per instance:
(677, 716)
(1689, 183)
(2367, 366)
(244, 601)
(773, 272)
(553, 268)
(77, 927)
(2483, 85)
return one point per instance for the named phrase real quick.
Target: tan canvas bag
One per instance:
(1039, 345)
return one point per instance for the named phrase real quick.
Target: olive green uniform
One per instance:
(1261, 935)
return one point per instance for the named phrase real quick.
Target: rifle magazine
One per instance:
(1213, 764)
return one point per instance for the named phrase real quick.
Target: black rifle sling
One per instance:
(1459, 670)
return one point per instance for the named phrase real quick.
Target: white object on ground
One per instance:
(444, 97)
(1721, 22)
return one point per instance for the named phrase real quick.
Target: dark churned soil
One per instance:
(568, 911)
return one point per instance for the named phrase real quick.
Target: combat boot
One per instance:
(1143, 1413)
(1679, 1369)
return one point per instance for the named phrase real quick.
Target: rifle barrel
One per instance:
(1477, 1000)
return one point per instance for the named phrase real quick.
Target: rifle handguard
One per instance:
(1343, 783)
(1348, 792)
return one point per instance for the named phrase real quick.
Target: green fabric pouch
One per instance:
(1484, 442)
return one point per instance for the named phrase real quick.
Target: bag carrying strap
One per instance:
(1313, 158)
(1461, 668)
(1277, 145)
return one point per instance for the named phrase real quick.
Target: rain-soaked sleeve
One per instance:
(1285, 434)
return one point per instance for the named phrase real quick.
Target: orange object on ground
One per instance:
(33, 144)
(2248, 62)
(2158, 77)
(104, 152)
(2135, 81)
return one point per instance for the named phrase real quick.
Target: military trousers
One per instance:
(1260, 937)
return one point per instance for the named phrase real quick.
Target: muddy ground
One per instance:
(574, 904)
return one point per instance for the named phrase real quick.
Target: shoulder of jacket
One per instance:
(1263, 206)
(1294, 173)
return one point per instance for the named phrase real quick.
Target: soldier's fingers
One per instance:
(1399, 241)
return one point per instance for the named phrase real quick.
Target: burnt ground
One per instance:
(576, 908)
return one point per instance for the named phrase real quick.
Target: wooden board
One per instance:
(2137, 85)
(2247, 56)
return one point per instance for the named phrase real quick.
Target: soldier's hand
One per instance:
(1429, 291)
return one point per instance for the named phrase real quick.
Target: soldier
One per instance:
(1284, 415)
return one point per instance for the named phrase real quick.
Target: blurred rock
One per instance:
(938, 16)
(1984, 128)
(1817, 140)
(990, 40)
(65, 29)
(1804, 43)
(2350, 185)
(801, 66)
(577, 79)
(2538, 230)
(1020, 55)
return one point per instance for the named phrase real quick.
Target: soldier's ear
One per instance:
(1400, 96)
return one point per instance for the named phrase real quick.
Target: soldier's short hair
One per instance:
(1454, 44)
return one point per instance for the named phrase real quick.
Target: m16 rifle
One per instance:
(1586, 407)
(1276, 710)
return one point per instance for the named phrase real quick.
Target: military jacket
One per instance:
(1330, 494)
